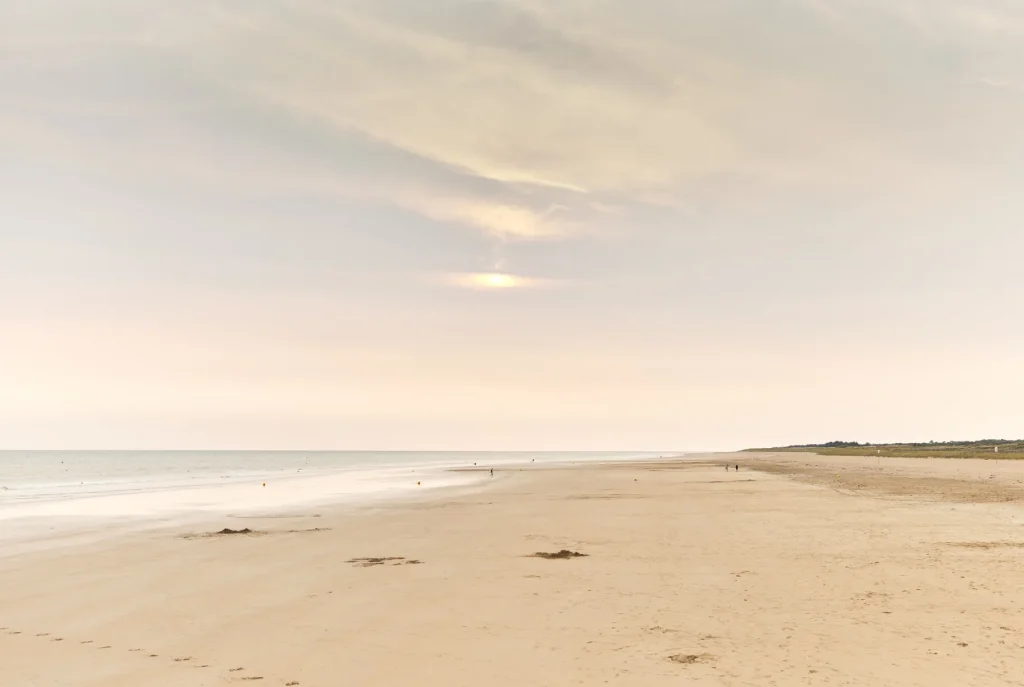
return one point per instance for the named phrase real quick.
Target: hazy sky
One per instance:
(261, 223)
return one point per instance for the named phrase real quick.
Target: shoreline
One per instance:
(139, 507)
(77, 526)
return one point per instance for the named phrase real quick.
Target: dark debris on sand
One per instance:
(383, 560)
(562, 555)
(226, 532)
(370, 562)
(689, 659)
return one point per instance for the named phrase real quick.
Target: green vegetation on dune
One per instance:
(1002, 449)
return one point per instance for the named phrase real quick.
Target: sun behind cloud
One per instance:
(490, 281)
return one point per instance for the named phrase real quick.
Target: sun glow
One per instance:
(489, 281)
(497, 281)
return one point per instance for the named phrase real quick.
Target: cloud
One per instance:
(501, 220)
(988, 18)
(1002, 84)
(630, 100)
(499, 114)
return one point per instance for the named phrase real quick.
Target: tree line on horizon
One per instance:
(929, 444)
(980, 448)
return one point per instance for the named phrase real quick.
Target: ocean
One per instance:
(55, 491)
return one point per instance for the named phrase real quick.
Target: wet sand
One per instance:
(796, 570)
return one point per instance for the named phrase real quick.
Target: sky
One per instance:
(510, 224)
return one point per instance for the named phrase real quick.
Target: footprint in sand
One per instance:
(43, 634)
(57, 639)
(235, 670)
(183, 659)
(88, 641)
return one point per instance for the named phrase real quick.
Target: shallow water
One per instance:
(105, 484)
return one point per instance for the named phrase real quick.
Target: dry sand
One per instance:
(794, 571)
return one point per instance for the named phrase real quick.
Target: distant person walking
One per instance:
(492, 472)
(737, 468)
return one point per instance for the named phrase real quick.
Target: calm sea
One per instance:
(72, 486)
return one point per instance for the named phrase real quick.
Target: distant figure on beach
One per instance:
(737, 468)
(492, 472)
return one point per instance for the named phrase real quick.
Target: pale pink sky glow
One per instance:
(509, 224)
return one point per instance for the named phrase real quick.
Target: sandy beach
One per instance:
(796, 570)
